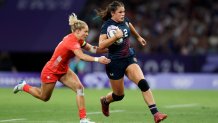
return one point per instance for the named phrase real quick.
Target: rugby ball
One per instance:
(111, 31)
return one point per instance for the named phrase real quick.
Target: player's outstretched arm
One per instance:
(136, 35)
(95, 49)
(79, 53)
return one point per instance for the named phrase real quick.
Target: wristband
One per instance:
(96, 59)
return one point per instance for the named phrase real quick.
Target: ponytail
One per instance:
(105, 14)
(75, 23)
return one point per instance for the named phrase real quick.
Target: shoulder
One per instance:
(70, 37)
(107, 23)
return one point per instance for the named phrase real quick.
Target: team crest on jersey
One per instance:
(111, 31)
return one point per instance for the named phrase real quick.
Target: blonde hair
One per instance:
(75, 23)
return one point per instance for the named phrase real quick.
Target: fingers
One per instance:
(119, 33)
(104, 60)
(144, 43)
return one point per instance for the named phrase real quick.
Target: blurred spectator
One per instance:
(6, 62)
(187, 27)
(77, 65)
(2, 2)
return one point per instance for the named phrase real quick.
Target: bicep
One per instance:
(133, 30)
(131, 27)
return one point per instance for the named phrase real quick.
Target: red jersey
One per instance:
(58, 64)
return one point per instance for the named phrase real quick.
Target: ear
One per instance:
(77, 31)
(112, 13)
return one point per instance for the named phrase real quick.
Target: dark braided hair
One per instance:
(112, 7)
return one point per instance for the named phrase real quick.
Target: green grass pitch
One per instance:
(182, 106)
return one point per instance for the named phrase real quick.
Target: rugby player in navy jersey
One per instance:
(115, 33)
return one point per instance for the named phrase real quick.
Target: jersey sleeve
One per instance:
(104, 28)
(126, 20)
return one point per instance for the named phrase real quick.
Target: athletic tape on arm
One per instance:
(93, 49)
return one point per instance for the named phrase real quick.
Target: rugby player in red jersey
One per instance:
(57, 69)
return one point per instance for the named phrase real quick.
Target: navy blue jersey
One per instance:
(121, 49)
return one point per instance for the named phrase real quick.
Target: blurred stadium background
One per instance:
(182, 36)
(181, 55)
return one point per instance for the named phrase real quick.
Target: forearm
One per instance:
(86, 57)
(107, 42)
(133, 31)
(83, 56)
(95, 49)
(99, 50)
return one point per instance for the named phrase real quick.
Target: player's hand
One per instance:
(104, 60)
(142, 41)
(119, 33)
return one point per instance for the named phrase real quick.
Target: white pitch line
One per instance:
(181, 106)
(10, 120)
(113, 111)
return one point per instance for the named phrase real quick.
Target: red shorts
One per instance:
(48, 76)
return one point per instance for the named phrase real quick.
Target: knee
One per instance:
(80, 90)
(116, 97)
(143, 85)
(45, 99)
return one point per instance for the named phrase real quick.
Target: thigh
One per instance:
(47, 89)
(71, 80)
(134, 73)
(117, 86)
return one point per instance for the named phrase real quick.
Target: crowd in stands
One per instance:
(171, 27)
(186, 27)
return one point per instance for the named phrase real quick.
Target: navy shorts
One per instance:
(116, 68)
